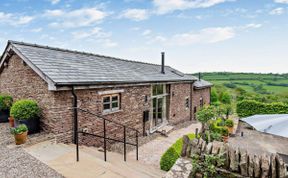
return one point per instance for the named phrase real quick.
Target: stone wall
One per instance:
(237, 160)
(178, 110)
(197, 95)
(21, 82)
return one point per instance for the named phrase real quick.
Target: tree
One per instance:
(225, 98)
(228, 110)
(204, 115)
(214, 96)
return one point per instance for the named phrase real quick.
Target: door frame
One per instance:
(164, 109)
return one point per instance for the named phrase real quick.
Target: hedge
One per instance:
(247, 108)
(5, 102)
(169, 158)
(25, 109)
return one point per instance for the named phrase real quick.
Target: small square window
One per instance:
(111, 103)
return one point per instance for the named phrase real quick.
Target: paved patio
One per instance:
(151, 152)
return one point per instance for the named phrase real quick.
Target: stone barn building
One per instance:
(139, 95)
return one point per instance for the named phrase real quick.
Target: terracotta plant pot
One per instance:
(225, 139)
(230, 129)
(21, 138)
(11, 121)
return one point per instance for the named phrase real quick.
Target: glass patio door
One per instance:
(158, 111)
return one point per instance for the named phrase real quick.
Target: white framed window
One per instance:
(111, 103)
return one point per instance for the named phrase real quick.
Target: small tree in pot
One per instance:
(20, 134)
(27, 112)
(5, 105)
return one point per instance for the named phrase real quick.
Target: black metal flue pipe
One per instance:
(163, 62)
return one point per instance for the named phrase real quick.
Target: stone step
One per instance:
(62, 158)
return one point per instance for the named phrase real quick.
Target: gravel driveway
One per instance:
(15, 162)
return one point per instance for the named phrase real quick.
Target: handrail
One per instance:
(107, 138)
(101, 117)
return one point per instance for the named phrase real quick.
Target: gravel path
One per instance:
(151, 152)
(15, 162)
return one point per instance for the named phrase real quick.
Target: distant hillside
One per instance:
(241, 76)
(271, 86)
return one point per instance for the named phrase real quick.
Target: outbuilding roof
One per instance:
(67, 67)
(275, 124)
(199, 84)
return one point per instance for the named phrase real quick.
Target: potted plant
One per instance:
(225, 134)
(20, 133)
(5, 105)
(229, 124)
(11, 121)
(26, 112)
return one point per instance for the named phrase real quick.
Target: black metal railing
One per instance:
(105, 136)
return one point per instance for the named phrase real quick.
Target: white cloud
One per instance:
(96, 32)
(36, 30)
(15, 19)
(54, 1)
(249, 26)
(281, 1)
(146, 32)
(96, 35)
(75, 18)
(203, 36)
(277, 11)
(135, 14)
(207, 35)
(166, 6)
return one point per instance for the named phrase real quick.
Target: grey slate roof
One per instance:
(202, 84)
(72, 67)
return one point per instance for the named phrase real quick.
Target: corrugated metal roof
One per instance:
(69, 67)
(276, 124)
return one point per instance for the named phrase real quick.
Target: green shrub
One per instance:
(19, 130)
(247, 108)
(5, 102)
(229, 123)
(225, 131)
(169, 158)
(25, 109)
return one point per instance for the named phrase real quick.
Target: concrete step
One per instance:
(62, 158)
(131, 165)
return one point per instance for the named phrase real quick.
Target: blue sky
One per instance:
(197, 35)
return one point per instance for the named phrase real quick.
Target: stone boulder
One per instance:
(256, 166)
(244, 163)
(234, 160)
(281, 170)
(209, 148)
(251, 166)
(265, 165)
(273, 168)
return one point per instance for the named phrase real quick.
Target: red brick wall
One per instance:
(20, 81)
(197, 94)
(178, 111)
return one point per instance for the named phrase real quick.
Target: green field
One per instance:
(270, 82)
(271, 86)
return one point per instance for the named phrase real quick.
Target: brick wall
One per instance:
(178, 111)
(20, 81)
(197, 95)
